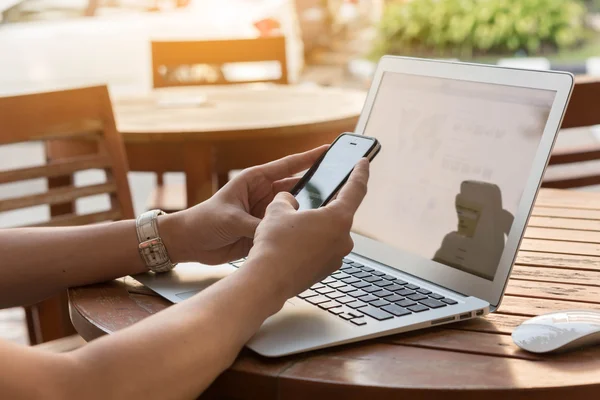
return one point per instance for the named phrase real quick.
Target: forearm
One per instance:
(179, 352)
(38, 262)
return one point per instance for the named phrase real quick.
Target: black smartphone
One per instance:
(326, 177)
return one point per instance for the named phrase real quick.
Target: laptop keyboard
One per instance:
(356, 290)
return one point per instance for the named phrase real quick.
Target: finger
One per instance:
(284, 202)
(290, 165)
(286, 185)
(355, 189)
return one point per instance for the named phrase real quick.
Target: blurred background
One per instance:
(48, 45)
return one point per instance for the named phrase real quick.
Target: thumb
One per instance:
(283, 202)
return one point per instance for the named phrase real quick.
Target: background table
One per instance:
(558, 268)
(235, 127)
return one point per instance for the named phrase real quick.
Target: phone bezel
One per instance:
(370, 155)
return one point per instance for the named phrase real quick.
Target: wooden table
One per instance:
(222, 128)
(558, 268)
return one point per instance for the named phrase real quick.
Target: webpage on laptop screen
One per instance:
(454, 162)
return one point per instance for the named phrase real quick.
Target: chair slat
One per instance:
(82, 129)
(74, 219)
(57, 196)
(567, 183)
(575, 154)
(56, 168)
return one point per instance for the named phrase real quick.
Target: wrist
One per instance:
(173, 232)
(264, 266)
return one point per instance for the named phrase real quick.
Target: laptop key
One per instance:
(335, 295)
(346, 316)
(317, 286)
(449, 301)
(307, 293)
(356, 264)
(340, 275)
(411, 286)
(356, 314)
(369, 298)
(358, 293)
(376, 313)
(346, 260)
(404, 292)
(418, 308)
(345, 299)
(416, 297)
(379, 303)
(397, 311)
(394, 298)
(337, 284)
(350, 279)
(382, 283)
(394, 287)
(377, 273)
(360, 284)
(347, 289)
(406, 303)
(431, 303)
(400, 282)
(389, 277)
(371, 289)
(436, 296)
(423, 291)
(372, 279)
(356, 304)
(358, 321)
(337, 310)
(352, 271)
(317, 299)
(329, 304)
(367, 269)
(328, 280)
(325, 290)
(383, 293)
(362, 275)
(345, 267)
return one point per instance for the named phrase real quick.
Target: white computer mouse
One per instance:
(559, 331)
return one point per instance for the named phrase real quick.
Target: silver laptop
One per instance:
(464, 148)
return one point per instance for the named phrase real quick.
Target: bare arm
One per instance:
(39, 262)
(178, 352)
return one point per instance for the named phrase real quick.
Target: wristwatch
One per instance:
(151, 247)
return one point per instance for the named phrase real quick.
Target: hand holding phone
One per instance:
(326, 177)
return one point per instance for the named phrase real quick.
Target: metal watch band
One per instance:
(151, 247)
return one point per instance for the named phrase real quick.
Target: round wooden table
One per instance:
(558, 268)
(207, 131)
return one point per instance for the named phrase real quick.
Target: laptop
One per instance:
(464, 149)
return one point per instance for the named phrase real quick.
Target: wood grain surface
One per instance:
(558, 268)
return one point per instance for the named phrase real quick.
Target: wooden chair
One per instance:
(189, 63)
(583, 111)
(85, 116)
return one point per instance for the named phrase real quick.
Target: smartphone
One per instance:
(326, 177)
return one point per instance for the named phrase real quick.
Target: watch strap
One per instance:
(151, 247)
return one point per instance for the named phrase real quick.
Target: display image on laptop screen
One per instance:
(455, 158)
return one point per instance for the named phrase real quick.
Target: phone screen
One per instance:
(332, 170)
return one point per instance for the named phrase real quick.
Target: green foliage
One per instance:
(468, 27)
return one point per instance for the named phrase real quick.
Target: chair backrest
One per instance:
(212, 62)
(583, 111)
(83, 115)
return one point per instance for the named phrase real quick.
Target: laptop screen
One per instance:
(454, 162)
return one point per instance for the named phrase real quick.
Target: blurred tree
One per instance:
(458, 28)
